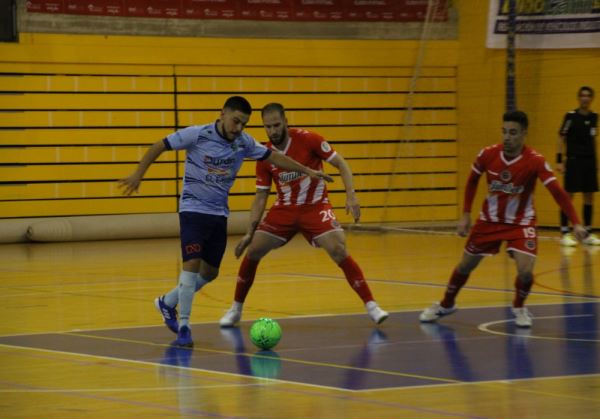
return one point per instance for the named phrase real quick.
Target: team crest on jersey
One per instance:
(505, 175)
(530, 244)
(325, 147)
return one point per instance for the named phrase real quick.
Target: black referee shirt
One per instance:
(580, 131)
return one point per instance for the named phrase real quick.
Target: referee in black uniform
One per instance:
(578, 134)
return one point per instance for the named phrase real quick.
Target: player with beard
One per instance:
(214, 155)
(302, 206)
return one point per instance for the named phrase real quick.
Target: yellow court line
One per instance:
(547, 393)
(298, 361)
(497, 384)
(202, 370)
(494, 384)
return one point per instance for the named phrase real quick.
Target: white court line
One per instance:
(503, 381)
(484, 327)
(123, 389)
(430, 285)
(293, 316)
(276, 380)
(271, 381)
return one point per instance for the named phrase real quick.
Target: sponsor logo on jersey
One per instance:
(508, 188)
(505, 175)
(217, 161)
(530, 244)
(285, 177)
(325, 147)
(218, 171)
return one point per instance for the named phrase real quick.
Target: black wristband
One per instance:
(559, 157)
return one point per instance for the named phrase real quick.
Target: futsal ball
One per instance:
(265, 333)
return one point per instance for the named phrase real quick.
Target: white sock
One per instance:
(371, 304)
(237, 306)
(200, 282)
(172, 297)
(187, 286)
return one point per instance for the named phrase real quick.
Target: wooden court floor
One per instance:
(79, 335)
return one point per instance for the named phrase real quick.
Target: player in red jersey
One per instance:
(511, 169)
(301, 206)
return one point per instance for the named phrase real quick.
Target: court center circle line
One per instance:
(484, 327)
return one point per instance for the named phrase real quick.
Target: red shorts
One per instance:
(312, 221)
(485, 239)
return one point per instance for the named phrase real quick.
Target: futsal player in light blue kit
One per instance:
(215, 153)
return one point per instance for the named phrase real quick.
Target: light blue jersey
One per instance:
(211, 166)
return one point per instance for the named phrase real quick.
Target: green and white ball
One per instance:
(265, 333)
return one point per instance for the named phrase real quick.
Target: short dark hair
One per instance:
(272, 107)
(238, 103)
(586, 88)
(518, 117)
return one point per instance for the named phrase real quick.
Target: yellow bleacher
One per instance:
(69, 132)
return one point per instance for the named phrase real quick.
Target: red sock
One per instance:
(245, 279)
(356, 279)
(521, 292)
(457, 280)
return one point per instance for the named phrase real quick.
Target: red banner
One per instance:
(320, 10)
(96, 7)
(210, 9)
(282, 10)
(41, 6)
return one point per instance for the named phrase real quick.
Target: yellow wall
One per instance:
(547, 83)
(91, 104)
(473, 76)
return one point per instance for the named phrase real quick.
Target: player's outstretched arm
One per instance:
(352, 204)
(256, 211)
(286, 163)
(464, 224)
(563, 200)
(131, 183)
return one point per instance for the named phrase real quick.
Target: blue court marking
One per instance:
(348, 352)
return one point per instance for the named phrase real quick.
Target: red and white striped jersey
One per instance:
(511, 184)
(294, 188)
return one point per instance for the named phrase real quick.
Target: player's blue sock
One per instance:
(187, 287)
